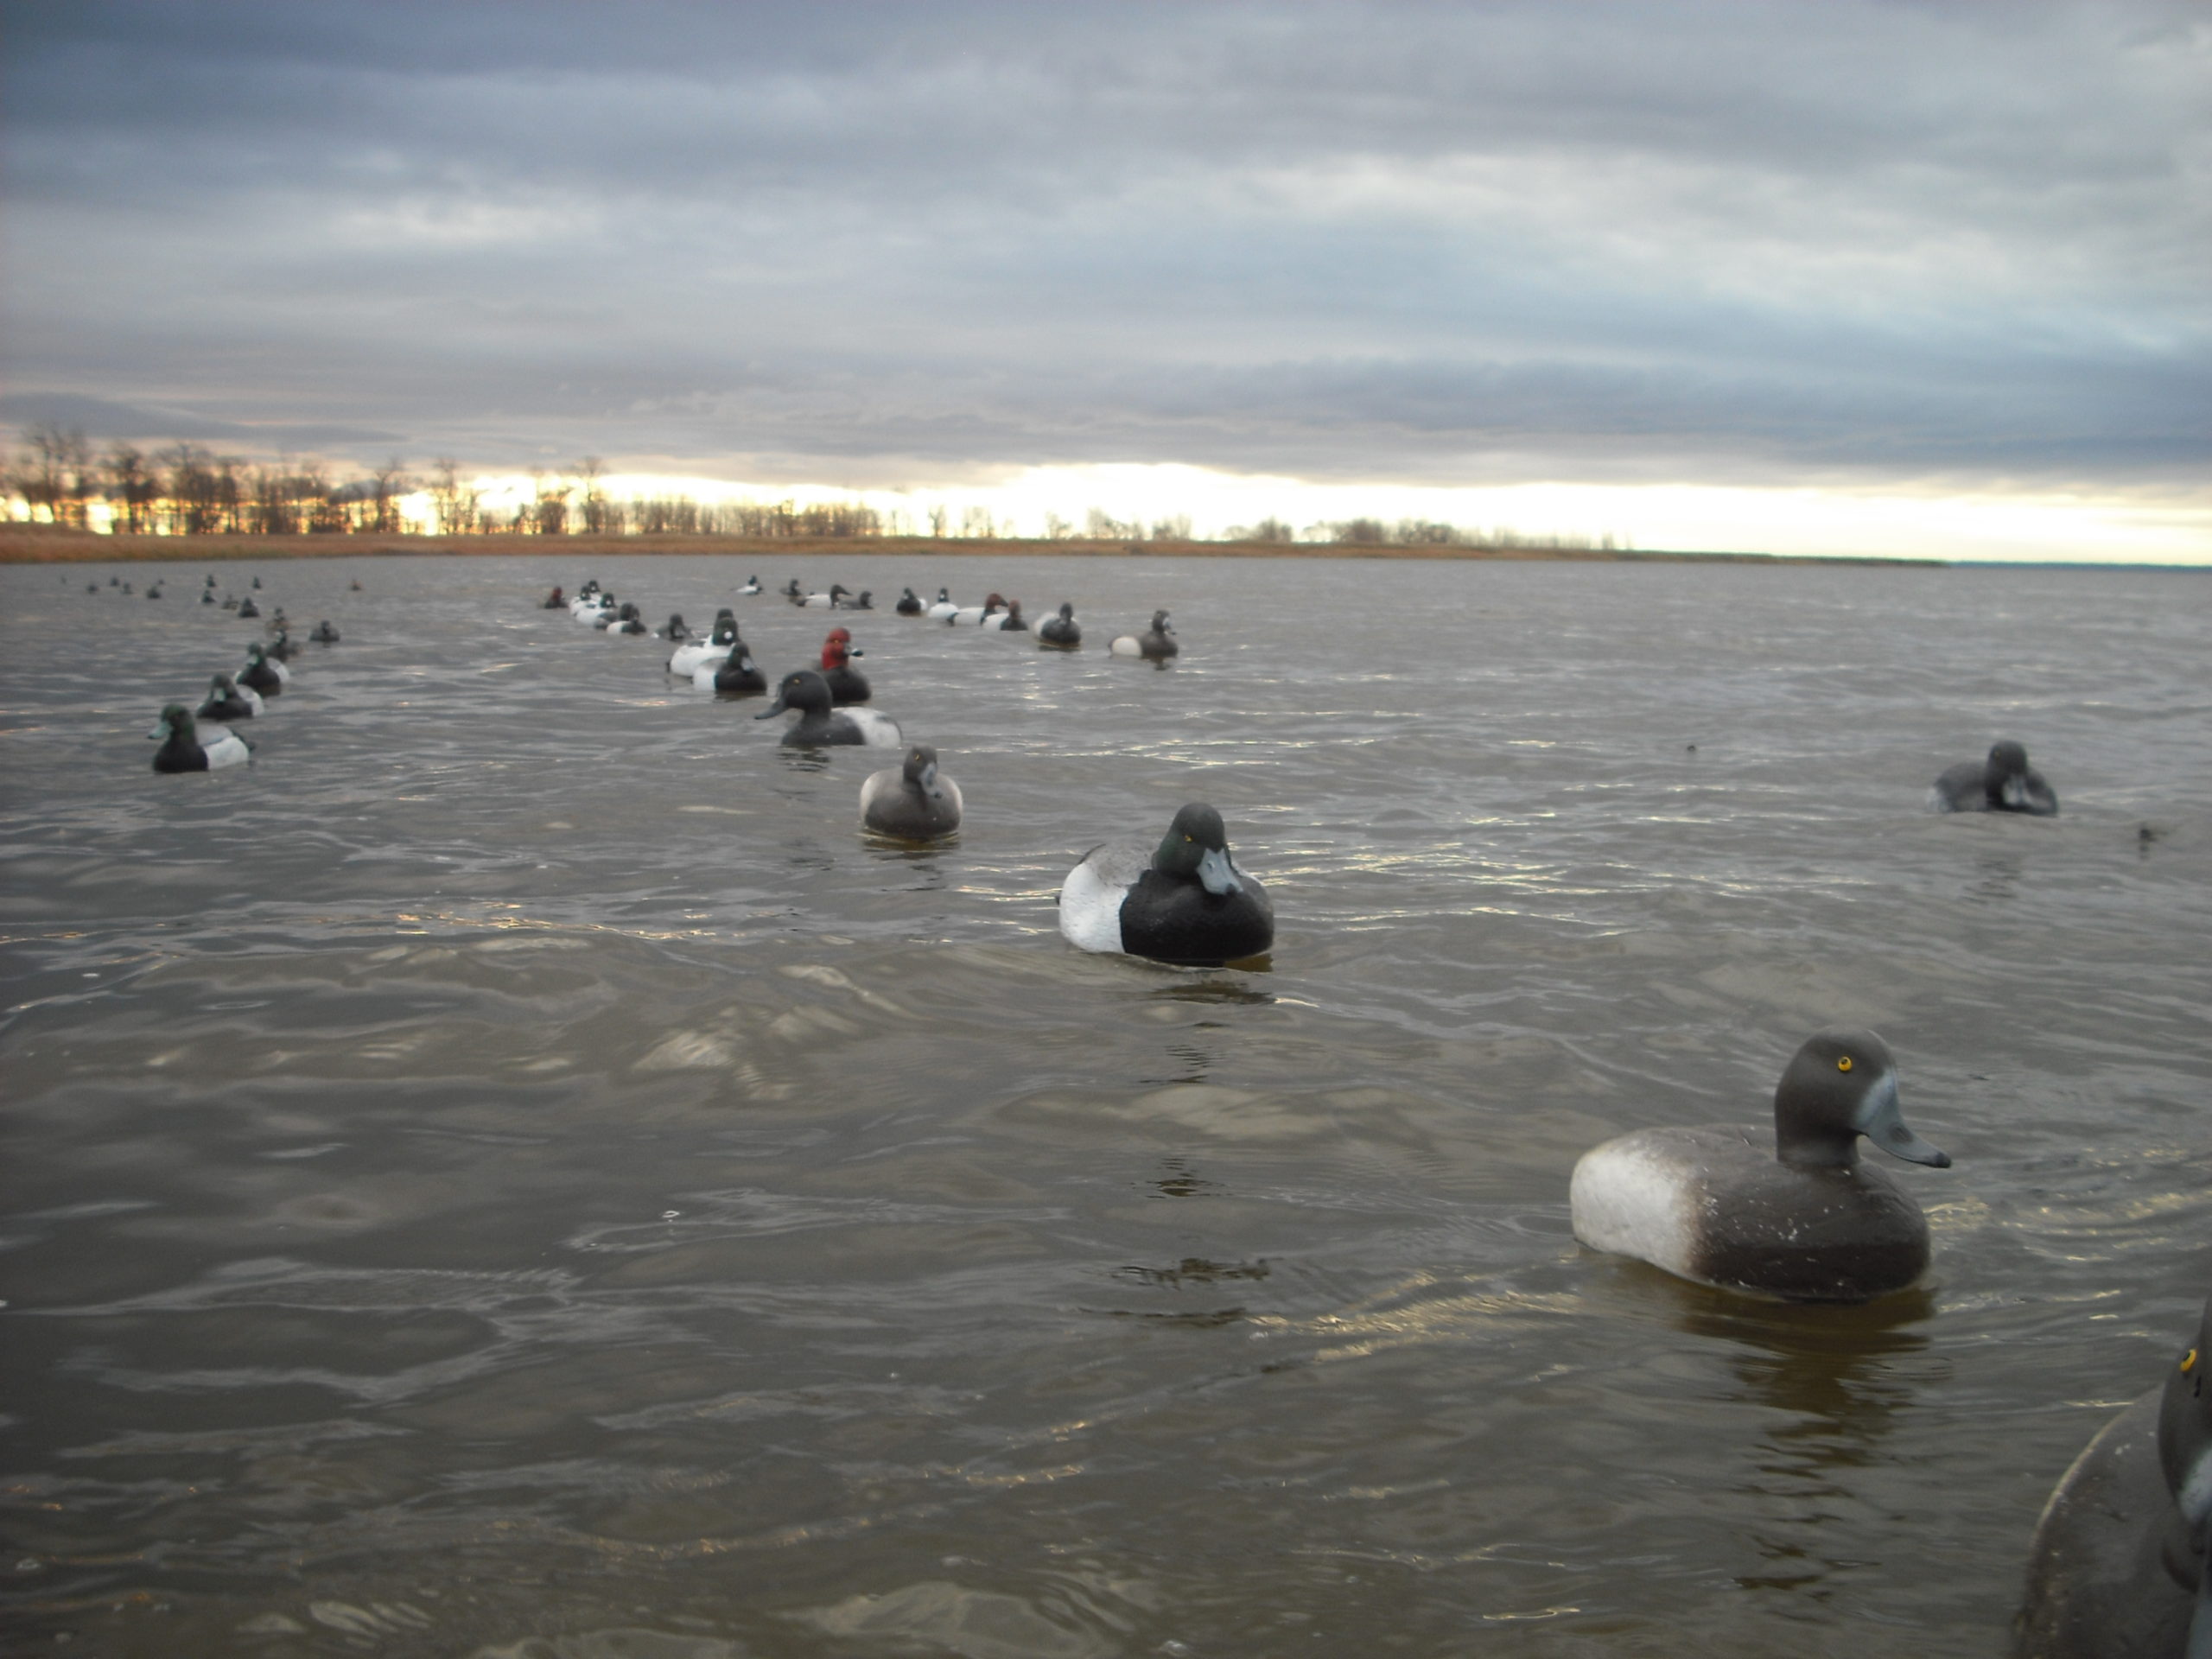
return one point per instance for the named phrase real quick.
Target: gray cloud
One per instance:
(1440, 245)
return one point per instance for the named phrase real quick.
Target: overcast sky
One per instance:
(1905, 251)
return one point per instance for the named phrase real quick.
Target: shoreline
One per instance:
(45, 544)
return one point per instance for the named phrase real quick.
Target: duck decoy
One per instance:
(914, 801)
(183, 750)
(228, 700)
(808, 694)
(1155, 644)
(908, 605)
(1060, 631)
(2004, 783)
(942, 610)
(1183, 901)
(263, 676)
(1794, 1214)
(693, 654)
(2118, 1567)
(324, 634)
(847, 685)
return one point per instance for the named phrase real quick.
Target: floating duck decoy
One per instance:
(248, 608)
(257, 581)
(1796, 1215)
(942, 610)
(1008, 620)
(976, 615)
(324, 634)
(908, 605)
(627, 621)
(1155, 644)
(207, 596)
(731, 675)
(675, 632)
(2118, 1567)
(828, 602)
(1183, 901)
(752, 586)
(228, 700)
(863, 600)
(819, 722)
(1060, 631)
(846, 682)
(691, 655)
(183, 750)
(2005, 783)
(153, 591)
(263, 676)
(554, 601)
(913, 802)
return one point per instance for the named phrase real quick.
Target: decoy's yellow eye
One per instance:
(2188, 1362)
(1844, 1064)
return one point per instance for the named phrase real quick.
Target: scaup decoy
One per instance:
(1796, 1216)
(324, 634)
(675, 633)
(695, 654)
(1061, 632)
(914, 802)
(731, 675)
(228, 700)
(183, 749)
(1183, 901)
(847, 683)
(908, 605)
(2004, 783)
(819, 722)
(1155, 644)
(263, 676)
(246, 609)
(628, 621)
(2117, 1569)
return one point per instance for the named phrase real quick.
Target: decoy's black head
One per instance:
(1159, 623)
(174, 718)
(804, 690)
(921, 772)
(1067, 613)
(907, 594)
(255, 654)
(1197, 848)
(2007, 759)
(1842, 1085)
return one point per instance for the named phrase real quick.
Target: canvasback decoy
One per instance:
(914, 801)
(807, 693)
(185, 750)
(1008, 620)
(1183, 901)
(2004, 783)
(1792, 1214)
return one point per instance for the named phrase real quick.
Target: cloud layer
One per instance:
(1873, 244)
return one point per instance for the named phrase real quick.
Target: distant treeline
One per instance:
(186, 489)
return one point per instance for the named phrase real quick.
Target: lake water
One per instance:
(514, 1172)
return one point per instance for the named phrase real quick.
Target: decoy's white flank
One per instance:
(1183, 901)
(1792, 1214)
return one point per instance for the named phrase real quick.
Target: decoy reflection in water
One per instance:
(1794, 1214)
(2004, 783)
(2118, 1567)
(1183, 900)
(914, 801)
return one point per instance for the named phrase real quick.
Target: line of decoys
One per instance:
(232, 695)
(1785, 1209)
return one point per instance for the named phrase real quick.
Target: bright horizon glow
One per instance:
(1806, 521)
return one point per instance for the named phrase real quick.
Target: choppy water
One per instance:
(513, 1173)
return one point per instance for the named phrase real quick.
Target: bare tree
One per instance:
(132, 483)
(391, 482)
(455, 503)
